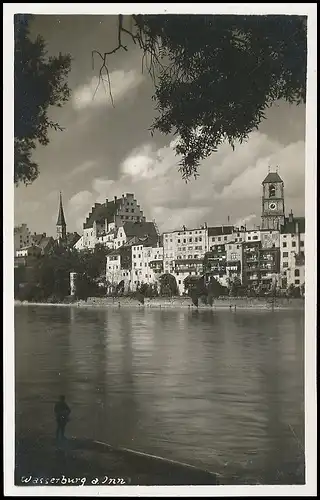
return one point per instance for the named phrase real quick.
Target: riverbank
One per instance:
(80, 462)
(180, 303)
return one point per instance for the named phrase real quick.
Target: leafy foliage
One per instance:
(39, 83)
(215, 75)
(168, 285)
(52, 274)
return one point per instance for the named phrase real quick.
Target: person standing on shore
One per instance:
(62, 412)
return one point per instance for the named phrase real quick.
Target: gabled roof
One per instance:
(143, 233)
(291, 224)
(72, 238)
(102, 211)
(273, 177)
(220, 230)
(47, 240)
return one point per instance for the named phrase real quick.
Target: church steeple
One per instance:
(61, 222)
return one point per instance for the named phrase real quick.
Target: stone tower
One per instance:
(272, 216)
(61, 223)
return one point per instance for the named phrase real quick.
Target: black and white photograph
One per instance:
(159, 265)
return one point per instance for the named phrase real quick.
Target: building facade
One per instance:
(104, 220)
(22, 237)
(292, 244)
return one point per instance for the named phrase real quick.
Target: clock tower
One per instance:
(272, 202)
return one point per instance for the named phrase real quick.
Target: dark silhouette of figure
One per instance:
(62, 412)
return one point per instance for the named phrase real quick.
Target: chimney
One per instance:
(115, 199)
(297, 227)
(291, 216)
(205, 225)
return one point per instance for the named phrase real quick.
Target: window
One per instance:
(132, 209)
(284, 244)
(297, 282)
(285, 254)
(272, 191)
(184, 240)
(200, 239)
(249, 237)
(179, 282)
(285, 264)
(219, 239)
(297, 272)
(294, 244)
(255, 238)
(190, 240)
(225, 238)
(302, 243)
(196, 240)
(178, 240)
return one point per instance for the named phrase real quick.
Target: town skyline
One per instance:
(89, 161)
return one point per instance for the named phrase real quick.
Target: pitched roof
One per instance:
(61, 220)
(291, 224)
(46, 240)
(220, 230)
(272, 177)
(37, 238)
(102, 211)
(72, 238)
(141, 232)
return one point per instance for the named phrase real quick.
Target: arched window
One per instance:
(272, 191)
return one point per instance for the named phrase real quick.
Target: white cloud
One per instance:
(229, 184)
(97, 94)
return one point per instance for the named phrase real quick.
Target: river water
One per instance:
(218, 389)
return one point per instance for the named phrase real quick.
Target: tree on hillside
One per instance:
(39, 83)
(215, 75)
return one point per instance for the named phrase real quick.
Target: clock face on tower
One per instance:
(272, 206)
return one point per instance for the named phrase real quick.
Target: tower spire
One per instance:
(61, 222)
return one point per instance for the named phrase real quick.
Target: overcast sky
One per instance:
(105, 151)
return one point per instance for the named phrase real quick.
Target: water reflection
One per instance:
(221, 390)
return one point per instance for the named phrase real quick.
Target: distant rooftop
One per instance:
(272, 177)
(141, 232)
(293, 225)
(220, 230)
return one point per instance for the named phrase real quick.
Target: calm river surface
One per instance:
(217, 389)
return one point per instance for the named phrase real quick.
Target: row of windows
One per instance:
(293, 243)
(225, 238)
(183, 233)
(292, 235)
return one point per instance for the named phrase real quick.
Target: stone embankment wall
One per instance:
(185, 302)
